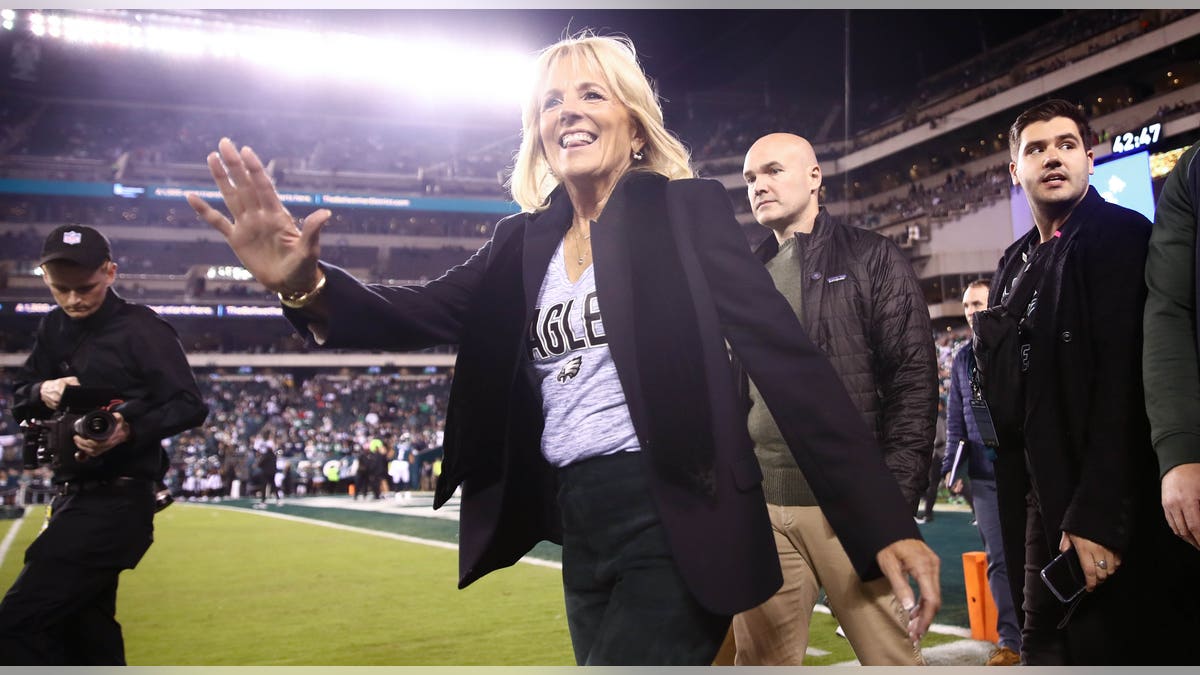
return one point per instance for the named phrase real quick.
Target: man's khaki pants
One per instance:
(812, 558)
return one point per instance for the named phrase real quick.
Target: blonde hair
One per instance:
(615, 59)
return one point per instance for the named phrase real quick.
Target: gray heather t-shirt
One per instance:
(585, 410)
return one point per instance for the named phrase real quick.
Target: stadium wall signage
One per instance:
(329, 199)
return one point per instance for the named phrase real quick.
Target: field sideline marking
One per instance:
(362, 530)
(957, 631)
(12, 534)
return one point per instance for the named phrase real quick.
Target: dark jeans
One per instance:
(626, 602)
(987, 514)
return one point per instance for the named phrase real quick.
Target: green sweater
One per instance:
(1170, 369)
(783, 483)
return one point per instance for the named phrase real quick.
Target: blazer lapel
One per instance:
(614, 275)
(542, 235)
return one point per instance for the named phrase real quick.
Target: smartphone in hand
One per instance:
(1064, 576)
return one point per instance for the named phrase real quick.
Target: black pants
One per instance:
(931, 489)
(61, 609)
(626, 601)
(61, 614)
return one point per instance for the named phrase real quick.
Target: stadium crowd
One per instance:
(307, 425)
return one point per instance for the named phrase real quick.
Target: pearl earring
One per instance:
(638, 156)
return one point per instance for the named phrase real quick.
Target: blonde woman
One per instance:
(593, 402)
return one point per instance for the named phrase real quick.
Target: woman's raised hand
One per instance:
(274, 246)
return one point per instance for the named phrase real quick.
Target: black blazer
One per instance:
(722, 541)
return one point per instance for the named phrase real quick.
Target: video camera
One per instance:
(83, 411)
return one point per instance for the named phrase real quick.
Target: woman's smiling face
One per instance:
(587, 133)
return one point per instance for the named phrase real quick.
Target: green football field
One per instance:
(226, 586)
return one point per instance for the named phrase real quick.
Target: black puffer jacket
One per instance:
(862, 305)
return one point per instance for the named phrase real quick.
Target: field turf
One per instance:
(227, 586)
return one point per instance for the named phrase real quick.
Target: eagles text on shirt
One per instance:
(565, 327)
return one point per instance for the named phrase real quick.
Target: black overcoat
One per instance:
(1086, 438)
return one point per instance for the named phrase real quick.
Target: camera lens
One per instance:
(97, 425)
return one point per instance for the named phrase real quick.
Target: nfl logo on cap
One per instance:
(78, 244)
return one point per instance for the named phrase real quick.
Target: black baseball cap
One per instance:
(80, 244)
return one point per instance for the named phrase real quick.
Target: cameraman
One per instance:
(61, 609)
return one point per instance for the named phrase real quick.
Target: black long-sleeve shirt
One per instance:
(128, 348)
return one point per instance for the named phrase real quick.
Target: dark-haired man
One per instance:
(1076, 471)
(61, 609)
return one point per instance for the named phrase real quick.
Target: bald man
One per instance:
(857, 297)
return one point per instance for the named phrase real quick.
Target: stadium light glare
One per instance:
(8, 25)
(427, 69)
(432, 69)
(7, 14)
(223, 44)
(86, 31)
(174, 41)
(117, 34)
(282, 49)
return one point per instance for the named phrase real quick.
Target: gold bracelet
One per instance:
(300, 300)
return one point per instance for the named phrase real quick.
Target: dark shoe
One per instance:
(1004, 656)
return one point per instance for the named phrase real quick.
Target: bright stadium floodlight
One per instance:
(446, 68)
(430, 69)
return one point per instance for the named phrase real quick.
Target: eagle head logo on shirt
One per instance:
(570, 369)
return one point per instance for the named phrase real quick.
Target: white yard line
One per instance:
(12, 534)
(362, 530)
